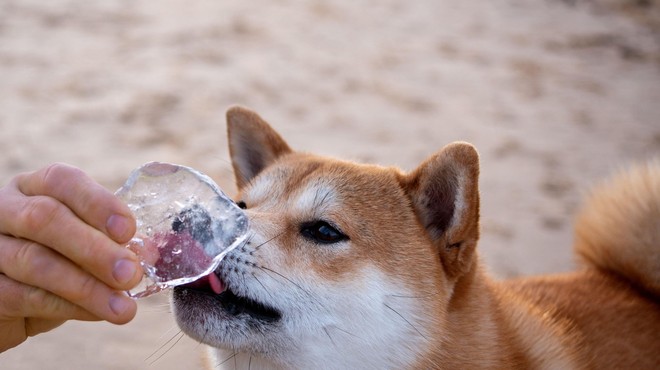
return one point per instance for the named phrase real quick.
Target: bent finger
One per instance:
(46, 221)
(37, 266)
(34, 325)
(20, 301)
(90, 201)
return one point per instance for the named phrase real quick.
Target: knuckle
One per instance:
(37, 298)
(43, 303)
(37, 214)
(55, 174)
(27, 260)
(30, 261)
(85, 291)
(73, 188)
(90, 250)
(20, 178)
(88, 204)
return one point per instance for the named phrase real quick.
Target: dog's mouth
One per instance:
(232, 304)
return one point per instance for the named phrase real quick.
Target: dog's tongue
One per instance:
(217, 286)
(211, 282)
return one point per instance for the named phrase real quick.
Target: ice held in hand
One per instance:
(185, 224)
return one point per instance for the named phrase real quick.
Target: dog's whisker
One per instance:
(325, 329)
(180, 335)
(345, 331)
(165, 310)
(317, 204)
(164, 344)
(158, 308)
(262, 285)
(406, 320)
(432, 295)
(233, 356)
(247, 240)
(264, 268)
(325, 197)
(268, 241)
(206, 332)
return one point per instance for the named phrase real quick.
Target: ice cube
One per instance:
(185, 225)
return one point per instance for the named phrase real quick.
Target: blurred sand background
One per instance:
(555, 95)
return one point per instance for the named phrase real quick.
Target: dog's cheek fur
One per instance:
(380, 283)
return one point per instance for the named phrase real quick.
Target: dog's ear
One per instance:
(445, 194)
(253, 144)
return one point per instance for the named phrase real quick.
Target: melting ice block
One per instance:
(185, 224)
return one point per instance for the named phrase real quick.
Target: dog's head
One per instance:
(346, 265)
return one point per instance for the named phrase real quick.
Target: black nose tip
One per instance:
(196, 221)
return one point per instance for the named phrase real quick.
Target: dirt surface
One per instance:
(554, 94)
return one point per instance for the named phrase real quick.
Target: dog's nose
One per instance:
(196, 221)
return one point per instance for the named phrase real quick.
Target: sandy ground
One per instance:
(555, 95)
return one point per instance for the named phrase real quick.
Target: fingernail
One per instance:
(120, 304)
(119, 226)
(124, 271)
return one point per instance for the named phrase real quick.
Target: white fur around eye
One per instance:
(317, 198)
(264, 190)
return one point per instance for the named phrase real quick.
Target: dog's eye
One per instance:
(241, 204)
(322, 232)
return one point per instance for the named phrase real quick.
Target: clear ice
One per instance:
(185, 225)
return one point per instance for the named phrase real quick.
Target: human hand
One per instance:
(61, 253)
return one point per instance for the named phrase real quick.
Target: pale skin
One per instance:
(61, 254)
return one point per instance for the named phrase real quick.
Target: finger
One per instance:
(18, 330)
(90, 201)
(19, 300)
(46, 221)
(37, 266)
(34, 326)
(147, 249)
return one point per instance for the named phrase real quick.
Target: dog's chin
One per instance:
(212, 313)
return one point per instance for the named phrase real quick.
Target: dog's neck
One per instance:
(472, 337)
(481, 333)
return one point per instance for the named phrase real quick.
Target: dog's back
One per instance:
(613, 304)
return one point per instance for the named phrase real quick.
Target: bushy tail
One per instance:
(618, 229)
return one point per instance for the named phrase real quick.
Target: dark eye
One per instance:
(241, 204)
(322, 232)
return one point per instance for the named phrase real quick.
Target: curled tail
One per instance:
(618, 229)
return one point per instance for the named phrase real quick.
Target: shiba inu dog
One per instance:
(352, 266)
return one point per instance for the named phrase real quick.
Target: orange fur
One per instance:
(619, 229)
(416, 233)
